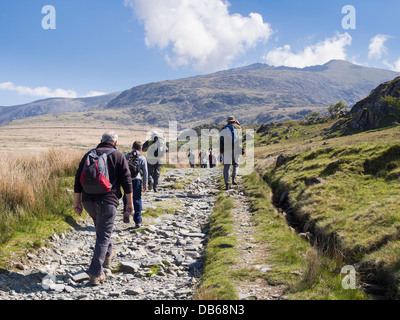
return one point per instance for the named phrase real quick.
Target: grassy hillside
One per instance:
(306, 271)
(345, 191)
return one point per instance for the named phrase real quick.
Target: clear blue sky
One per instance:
(104, 46)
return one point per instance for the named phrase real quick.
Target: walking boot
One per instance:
(96, 281)
(108, 259)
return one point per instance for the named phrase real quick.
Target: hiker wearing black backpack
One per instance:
(138, 167)
(98, 181)
(156, 149)
(231, 150)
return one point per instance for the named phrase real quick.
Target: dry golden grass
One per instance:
(23, 177)
(313, 267)
(35, 139)
(30, 186)
(70, 130)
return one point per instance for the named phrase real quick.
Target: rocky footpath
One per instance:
(252, 255)
(160, 261)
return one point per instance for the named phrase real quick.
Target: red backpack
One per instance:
(94, 177)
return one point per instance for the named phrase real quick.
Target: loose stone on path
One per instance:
(160, 261)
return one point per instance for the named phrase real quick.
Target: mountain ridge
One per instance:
(257, 93)
(53, 106)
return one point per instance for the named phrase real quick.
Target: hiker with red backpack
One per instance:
(138, 167)
(98, 181)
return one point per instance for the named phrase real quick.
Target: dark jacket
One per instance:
(155, 149)
(119, 174)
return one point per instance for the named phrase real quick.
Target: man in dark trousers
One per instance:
(156, 149)
(103, 207)
(231, 150)
(137, 184)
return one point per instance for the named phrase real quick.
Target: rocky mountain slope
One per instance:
(372, 112)
(53, 106)
(257, 93)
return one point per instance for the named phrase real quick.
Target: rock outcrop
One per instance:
(372, 112)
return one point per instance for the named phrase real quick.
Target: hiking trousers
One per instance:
(103, 215)
(154, 173)
(137, 200)
(227, 168)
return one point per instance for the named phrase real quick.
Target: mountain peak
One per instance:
(254, 66)
(338, 62)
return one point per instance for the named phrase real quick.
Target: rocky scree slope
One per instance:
(371, 112)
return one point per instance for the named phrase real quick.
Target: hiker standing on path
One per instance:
(156, 149)
(203, 159)
(231, 150)
(212, 159)
(138, 168)
(192, 159)
(98, 181)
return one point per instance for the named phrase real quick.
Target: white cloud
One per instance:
(377, 46)
(394, 67)
(320, 53)
(200, 33)
(44, 92)
(94, 94)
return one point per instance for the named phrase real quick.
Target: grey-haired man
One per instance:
(103, 208)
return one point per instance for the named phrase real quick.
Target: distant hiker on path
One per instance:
(192, 159)
(98, 182)
(231, 150)
(156, 149)
(212, 159)
(138, 167)
(203, 159)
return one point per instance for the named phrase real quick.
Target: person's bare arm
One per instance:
(78, 204)
(129, 204)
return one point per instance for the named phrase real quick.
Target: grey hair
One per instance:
(109, 136)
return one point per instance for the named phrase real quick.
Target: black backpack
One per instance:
(133, 162)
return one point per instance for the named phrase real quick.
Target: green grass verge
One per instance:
(356, 204)
(307, 272)
(217, 279)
